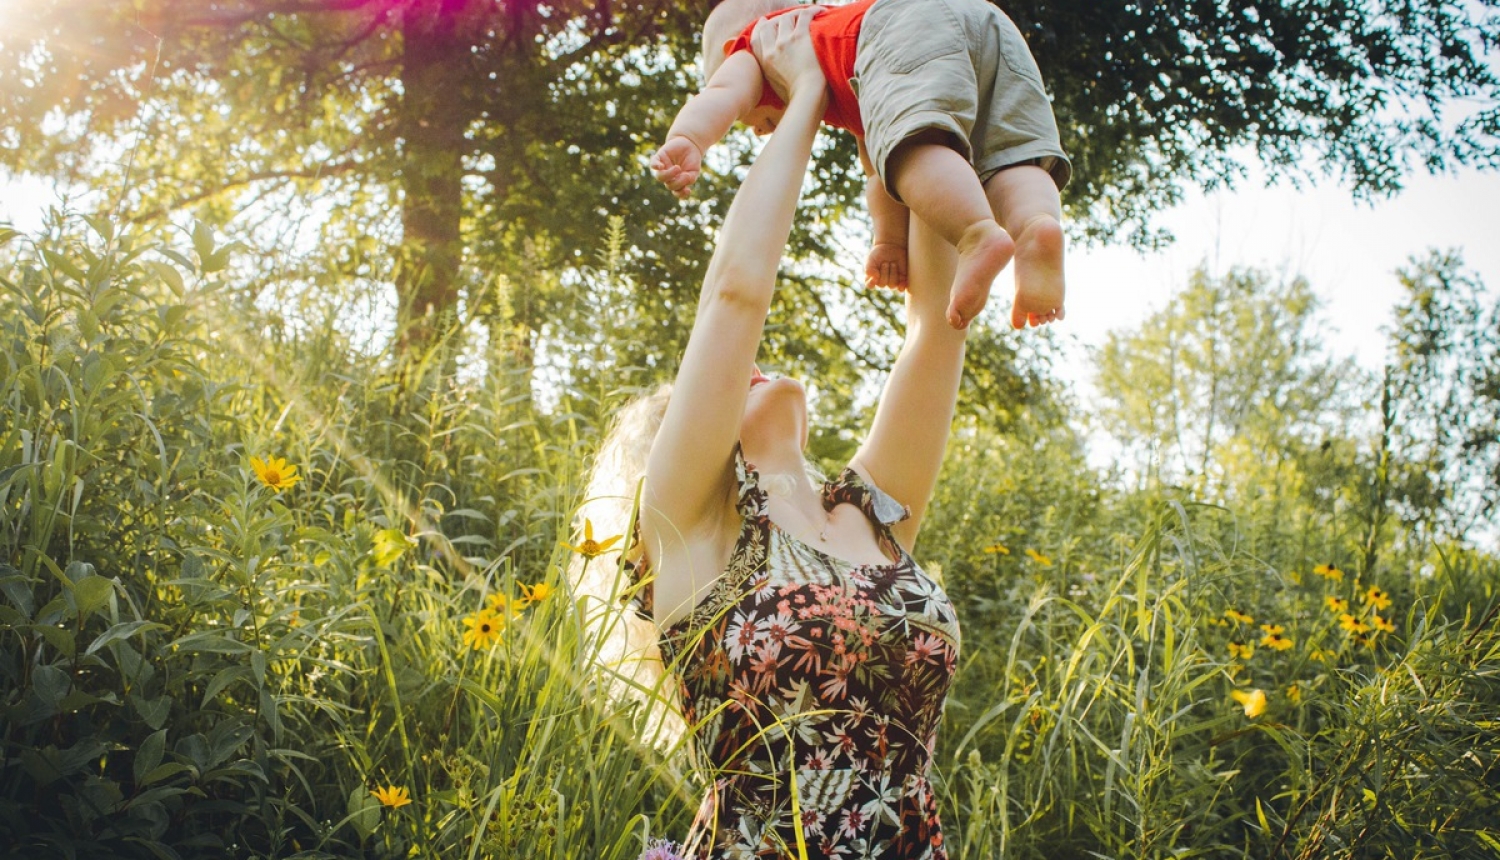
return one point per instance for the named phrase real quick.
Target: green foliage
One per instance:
(198, 663)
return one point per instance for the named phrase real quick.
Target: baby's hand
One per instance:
(677, 165)
(886, 266)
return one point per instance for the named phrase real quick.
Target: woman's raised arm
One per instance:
(690, 469)
(904, 450)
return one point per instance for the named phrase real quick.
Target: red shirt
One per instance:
(835, 38)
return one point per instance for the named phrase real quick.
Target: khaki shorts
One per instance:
(959, 66)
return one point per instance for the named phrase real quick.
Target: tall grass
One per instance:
(196, 663)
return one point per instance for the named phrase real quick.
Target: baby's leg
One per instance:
(1025, 199)
(942, 189)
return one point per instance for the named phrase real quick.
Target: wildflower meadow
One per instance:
(267, 595)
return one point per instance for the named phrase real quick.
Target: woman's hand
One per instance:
(783, 46)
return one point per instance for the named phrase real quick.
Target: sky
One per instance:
(1349, 252)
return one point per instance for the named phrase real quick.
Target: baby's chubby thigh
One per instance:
(914, 72)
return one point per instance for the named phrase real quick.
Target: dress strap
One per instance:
(751, 498)
(883, 511)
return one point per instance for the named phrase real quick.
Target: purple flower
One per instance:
(662, 849)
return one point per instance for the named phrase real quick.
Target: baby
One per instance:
(948, 108)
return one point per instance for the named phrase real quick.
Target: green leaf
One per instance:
(92, 593)
(61, 638)
(123, 630)
(149, 755)
(223, 679)
(6, 234)
(203, 240)
(101, 225)
(17, 588)
(364, 812)
(153, 711)
(163, 771)
(213, 643)
(390, 545)
(50, 685)
(169, 275)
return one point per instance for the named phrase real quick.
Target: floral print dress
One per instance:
(815, 687)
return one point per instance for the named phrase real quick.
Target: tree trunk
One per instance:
(438, 36)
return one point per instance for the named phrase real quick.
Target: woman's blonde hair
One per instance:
(623, 641)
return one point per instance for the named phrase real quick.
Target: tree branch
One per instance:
(250, 179)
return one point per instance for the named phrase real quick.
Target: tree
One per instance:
(1439, 452)
(1232, 370)
(438, 142)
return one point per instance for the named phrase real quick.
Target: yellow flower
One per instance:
(1294, 693)
(1367, 641)
(1336, 604)
(1383, 625)
(590, 548)
(1236, 615)
(1376, 597)
(393, 796)
(1352, 624)
(1273, 629)
(484, 630)
(1276, 642)
(275, 473)
(536, 593)
(997, 549)
(1254, 702)
(1322, 656)
(1328, 571)
(1241, 652)
(1038, 557)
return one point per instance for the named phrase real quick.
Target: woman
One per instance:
(811, 653)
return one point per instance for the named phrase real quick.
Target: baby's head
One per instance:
(727, 21)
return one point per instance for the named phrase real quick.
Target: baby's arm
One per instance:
(733, 90)
(886, 265)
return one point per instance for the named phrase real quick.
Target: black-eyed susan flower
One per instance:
(1376, 597)
(394, 796)
(1241, 652)
(1037, 557)
(1321, 656)
(1328, 571)
(497, 603)
(1384, 625)
(1238, 616)
(1336, 604)
(1294, 693)
(1272, 629)
(1276, 642)
(1254, 702)
(590, 548)
(275, 473)
(997, 549)
(536, 592)
(484, 630)
(1352, 624)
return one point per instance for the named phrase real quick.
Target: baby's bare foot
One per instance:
(983, 251)
(1039, 273)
